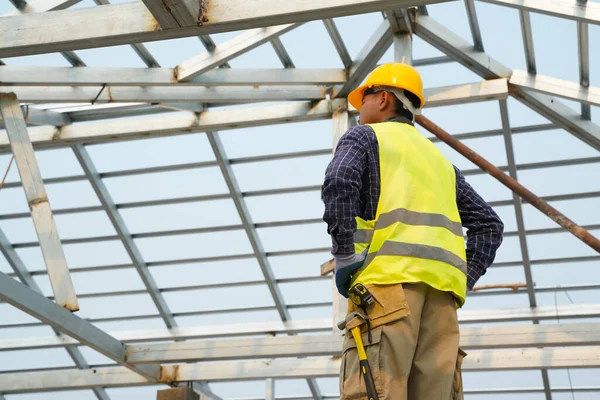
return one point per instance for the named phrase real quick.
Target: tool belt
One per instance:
(388, 304)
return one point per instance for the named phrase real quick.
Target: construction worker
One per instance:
(395, 208)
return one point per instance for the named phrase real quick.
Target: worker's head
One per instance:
(391, 90)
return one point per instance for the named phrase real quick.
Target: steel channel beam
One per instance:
(512, 169)
(138, 48)
(240, 204)
(474, 24)
(570, 9)
(338, 42)
(35, 192)
(488, 68)
(18, 266)
(36, 305)
(366, 60)
(496, 292)
(119, 224)
(242, 43)
(576, 311)
(41, 6)
(95, 76)
(126, 94)
(557, 87)
(528, 46)
(583, 47)
(176, 124)
(113, 25)
(237, 330)
(510, 156)
(282, 53)
(482, 360)
(436, 97)
(522, 336)
(255, 242)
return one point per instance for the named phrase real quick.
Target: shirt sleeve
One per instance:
(484, 229)
(342, 186)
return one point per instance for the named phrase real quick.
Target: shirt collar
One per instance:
(400, 119)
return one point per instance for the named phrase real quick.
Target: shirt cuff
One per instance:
(342, 246)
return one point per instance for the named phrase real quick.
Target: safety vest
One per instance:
(416, 235)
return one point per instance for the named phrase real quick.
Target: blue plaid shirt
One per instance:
(352, 188)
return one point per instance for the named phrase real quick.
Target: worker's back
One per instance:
(417, 234)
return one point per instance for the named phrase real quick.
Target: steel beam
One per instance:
(242, 209)
(35, 116)
(557, 87)
(96, 76)
(227, 51)
(36, 305)
(282, 53)
(523, 336)
(528, 46)
(484, 360)
(488, 68)
(570, 9)
(576, 311)
(436, 97)
(165, 125)
(119, 224)
(474, 24)
(510, 156)
(338, 42)
(583, 46)
(113, 25)
(133, 94)
(17, 264)
(41, 6)
(255, 242)
(35, 192)
(512, 168)
(180, 333)
(175, 14)
(366, 60)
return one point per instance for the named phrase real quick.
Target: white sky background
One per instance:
(309, 47)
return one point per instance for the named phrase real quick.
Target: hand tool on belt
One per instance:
(362, 295)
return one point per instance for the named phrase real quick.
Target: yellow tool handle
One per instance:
(365, 369)
(362, 355)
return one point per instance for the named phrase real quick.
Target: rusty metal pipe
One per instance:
(510, 183)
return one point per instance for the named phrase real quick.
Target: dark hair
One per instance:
(399, 107)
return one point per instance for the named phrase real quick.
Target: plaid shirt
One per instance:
(352, 188)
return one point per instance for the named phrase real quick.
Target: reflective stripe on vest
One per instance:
(417, 235)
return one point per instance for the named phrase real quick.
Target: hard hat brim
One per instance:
(355, 97)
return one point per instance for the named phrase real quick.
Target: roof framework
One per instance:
(74, 112)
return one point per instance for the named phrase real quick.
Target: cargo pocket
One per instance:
(389, 305)
(457, 385)
(352, 383)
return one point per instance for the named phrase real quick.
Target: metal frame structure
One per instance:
(188, 98)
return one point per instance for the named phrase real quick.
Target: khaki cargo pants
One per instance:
(414, 352)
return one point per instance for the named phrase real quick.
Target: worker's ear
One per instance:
(385, 100)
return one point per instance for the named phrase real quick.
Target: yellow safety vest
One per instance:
(416, 235)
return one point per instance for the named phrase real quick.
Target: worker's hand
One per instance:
(345, 266)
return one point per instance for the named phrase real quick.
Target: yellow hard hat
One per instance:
(396, 75)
